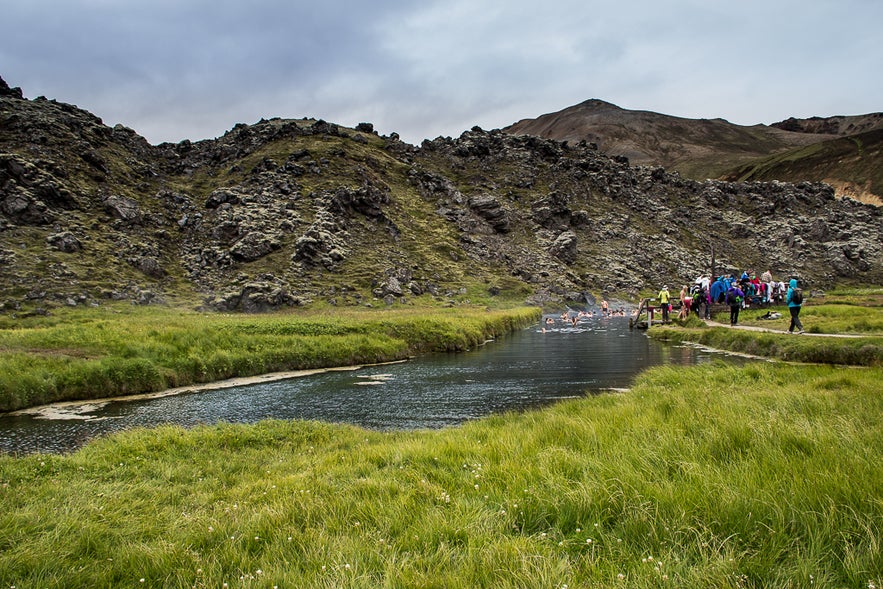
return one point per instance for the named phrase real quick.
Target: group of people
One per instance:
(756, 290)
(737, 294)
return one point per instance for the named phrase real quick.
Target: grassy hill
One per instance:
(715, 148)
(853, 165)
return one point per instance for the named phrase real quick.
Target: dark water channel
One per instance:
(530, 368)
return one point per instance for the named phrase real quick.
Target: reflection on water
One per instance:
(531, 368)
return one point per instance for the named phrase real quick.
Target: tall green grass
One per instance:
(713, 476)
(857, 311)
(119, 351)
(858, 351)
(825, 319)
(847, 312)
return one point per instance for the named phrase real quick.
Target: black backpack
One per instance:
(733, 298)
(797, 296)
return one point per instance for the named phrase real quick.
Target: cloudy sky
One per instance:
(191, 69)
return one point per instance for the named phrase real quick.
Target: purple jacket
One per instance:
(734, 292)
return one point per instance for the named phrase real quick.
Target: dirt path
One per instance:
(768, 330)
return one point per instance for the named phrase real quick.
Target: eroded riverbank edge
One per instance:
(95, 357)
(78, 409)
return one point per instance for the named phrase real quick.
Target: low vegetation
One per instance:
(847, 163)
(714, 476)
(125, 349)
(866, 351)
(757, 475)
(854, 313)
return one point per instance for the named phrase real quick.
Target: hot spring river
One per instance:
(527, 369)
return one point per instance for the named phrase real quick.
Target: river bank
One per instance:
(756, 475)
(76, 409)
(837, 333)
(121, 351)
(854, 351)
(530, 368)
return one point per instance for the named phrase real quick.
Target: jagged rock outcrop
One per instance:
(323, 243)
(489, 208)
(284, 211)
(148, 265)
(30, 195)
(65, 241)
(564, 247)
(255, 245)
(400, 282)
(256, 297)
(123, 208)
(5, 90)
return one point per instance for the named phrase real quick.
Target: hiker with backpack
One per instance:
(735, 296)
(794, 299)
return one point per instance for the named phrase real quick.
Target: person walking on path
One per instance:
(794, 299)
(735, 296)
(664, 298)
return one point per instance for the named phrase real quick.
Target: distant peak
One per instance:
(5, 90)
(595, 103)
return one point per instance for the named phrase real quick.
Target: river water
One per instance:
(531, 368)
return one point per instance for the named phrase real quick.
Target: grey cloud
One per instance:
(175, 69)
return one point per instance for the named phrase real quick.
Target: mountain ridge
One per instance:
(703, 148)
(288, 211)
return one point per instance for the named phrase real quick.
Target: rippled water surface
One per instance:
(531, 368)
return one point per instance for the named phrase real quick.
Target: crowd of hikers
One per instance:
(746, 291)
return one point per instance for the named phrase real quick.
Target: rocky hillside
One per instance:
(852, 164)
(812, 149)
(283, 212)
(840, 125)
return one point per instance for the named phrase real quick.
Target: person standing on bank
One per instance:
(735, 296)
(664, 298)
(794, 298)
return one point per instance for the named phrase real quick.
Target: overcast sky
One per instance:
(191, 69)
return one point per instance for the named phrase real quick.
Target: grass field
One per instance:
(758, 475)
(858, 314)
(124, 349)
(712, 476)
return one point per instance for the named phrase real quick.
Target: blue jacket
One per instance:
(791, 286)
(718, 288)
